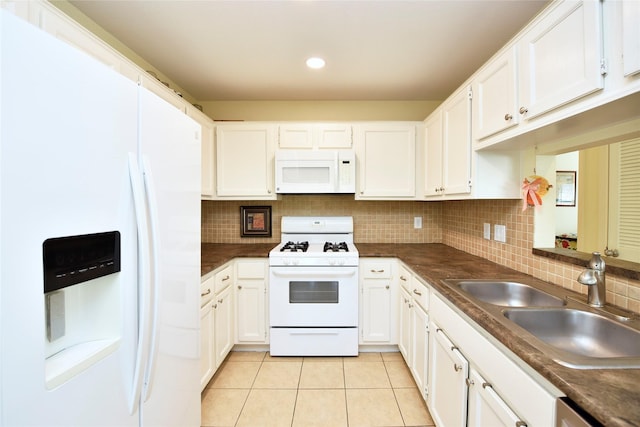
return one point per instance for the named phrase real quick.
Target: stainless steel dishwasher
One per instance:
(568, 414)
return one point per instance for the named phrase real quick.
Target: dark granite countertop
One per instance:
(612, 396)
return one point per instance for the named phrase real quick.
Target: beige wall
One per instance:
(455, 223)
(318, 110)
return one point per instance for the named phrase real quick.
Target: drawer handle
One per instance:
(417, 293)
(377, 271)
(221, 300)
(521, 424)
(202, 294)
(457, 367)
(404, 279)
(485, 385)
(225, 278)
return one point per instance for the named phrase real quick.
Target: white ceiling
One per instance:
(256, 50)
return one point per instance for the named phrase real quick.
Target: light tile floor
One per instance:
(257, 390)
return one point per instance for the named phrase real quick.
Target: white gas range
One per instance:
(313, 288)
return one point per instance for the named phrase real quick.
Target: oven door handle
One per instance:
(314, 273)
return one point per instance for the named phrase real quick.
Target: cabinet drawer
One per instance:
(376, 269)
(206, 291)
(250, 270)
(405, 278)
(223, 278)
(420, 293)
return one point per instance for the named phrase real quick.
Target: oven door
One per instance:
(313, 297)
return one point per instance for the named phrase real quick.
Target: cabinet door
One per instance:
(494, 96)
(486, 407)
(207, 361)
(336, 135)
(295, 135)
(386, 156)
(433, 155)
(376, 310)
(631, 37)
(223, 322)
(456, 119)
(560, 57)
(448, 373)
(245, 161)
(250, 315)
(419, 347)
(404, 342)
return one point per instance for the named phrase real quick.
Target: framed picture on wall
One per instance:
(255, 221)
(565, 188)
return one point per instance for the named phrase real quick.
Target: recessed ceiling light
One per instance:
(315, 63)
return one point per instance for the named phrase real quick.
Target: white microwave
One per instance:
(315, 171)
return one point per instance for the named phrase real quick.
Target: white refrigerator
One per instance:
(99, 243)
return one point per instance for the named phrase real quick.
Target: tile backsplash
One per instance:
(458, 224)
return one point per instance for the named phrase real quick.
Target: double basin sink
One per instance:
(571, 332)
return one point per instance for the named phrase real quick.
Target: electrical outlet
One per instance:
(417, 222)
(500, 233)
(487, 231)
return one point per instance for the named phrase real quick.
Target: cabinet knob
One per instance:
(469, 382)
(457, 367)
(239, 287)
(215, 305)
(441, 188)
(202, 294)
(386, 287)
(523, 110)
(521, 424)
(268, 191)
(221, 300)
(508, 117)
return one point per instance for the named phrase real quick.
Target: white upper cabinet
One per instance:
(456, 130)
(207, 189)
(631, 37)
(495, 102)
(447, 154)
(245, 161)
(560, 57)
(315, 135)
(386, 156)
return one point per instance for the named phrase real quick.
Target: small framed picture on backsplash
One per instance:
(255, 221)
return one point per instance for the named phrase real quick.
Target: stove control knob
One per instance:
(285, 261)
(341, 261)
(296, 262)
(332, 262)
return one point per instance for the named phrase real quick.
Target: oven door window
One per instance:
(313, 292)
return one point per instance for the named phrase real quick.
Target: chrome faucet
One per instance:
(593, 277)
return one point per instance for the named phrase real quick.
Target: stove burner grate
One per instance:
(295, 247)
(335, 247)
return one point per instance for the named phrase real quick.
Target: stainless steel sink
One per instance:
(506, 293)
(580, 339)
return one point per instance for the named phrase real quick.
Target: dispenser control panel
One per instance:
(71, 260)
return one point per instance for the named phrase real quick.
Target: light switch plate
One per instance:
(500, 233)
(487, 231)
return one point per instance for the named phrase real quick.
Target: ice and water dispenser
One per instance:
(82, 304)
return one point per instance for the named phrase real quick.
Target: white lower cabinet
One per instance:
(378, 295)
(223, 322)
(486, 407)
(448, 389)
(414, 327)
(476, 382)
(207, 357)
(251, 291)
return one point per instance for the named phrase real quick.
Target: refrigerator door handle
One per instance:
(137, 187)
(152, 206)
